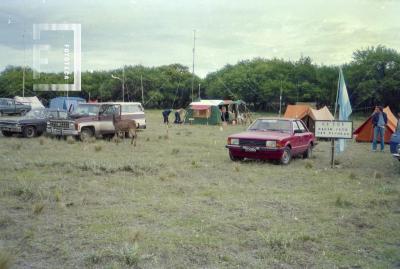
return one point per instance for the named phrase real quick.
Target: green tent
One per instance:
(211, 111)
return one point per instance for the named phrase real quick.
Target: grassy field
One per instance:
(177, 201)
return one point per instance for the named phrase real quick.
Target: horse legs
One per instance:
(133, 133)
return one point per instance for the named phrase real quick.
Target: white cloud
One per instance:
(157, 32)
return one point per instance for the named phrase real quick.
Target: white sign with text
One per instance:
(334, 129)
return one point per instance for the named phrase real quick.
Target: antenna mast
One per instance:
(194, 47)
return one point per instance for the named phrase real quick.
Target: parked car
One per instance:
(395, 142)
(30, 125)
(96, 119)
(272, 138)
(10, 106)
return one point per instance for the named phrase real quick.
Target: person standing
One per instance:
(379, 121)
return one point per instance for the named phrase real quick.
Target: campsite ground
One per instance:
(177, 201)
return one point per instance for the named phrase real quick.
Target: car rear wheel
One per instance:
(286, 156)
(29, 132)
(86, 134)
(7, 133)
(235, 158)
(308, 152)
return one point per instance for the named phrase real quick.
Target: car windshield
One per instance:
(87, 109)
(36, 114)
(271, 125)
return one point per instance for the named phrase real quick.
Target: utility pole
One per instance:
(123, 83)
(141, 86)
(194, 47)
(280, 103)
(23, 67)
(199, 91)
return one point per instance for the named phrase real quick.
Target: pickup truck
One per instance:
(95, 119)
(10, 106)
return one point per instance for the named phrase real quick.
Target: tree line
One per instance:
(372, 78)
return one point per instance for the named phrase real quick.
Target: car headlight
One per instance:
(234, 141)
(270, 144)
(71, 125)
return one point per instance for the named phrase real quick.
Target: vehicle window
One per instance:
(85, 109)
(271, 125)
(18, 103)
(131, 108)
(110, 110)
(10, 103)
(295, 126)
(301, 126)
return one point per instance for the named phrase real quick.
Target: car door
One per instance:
(296, 138)
(106, 125)
(305, 136)
(10, 108)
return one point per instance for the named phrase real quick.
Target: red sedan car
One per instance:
(272, 138)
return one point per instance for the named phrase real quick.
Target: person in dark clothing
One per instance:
(379, 122)
(165, 114)
(178, 117)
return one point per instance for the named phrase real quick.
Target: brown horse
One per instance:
(123, 126)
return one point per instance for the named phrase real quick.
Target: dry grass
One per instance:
(177, 201)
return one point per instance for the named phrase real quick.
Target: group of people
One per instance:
(379, 122)
(178, 119)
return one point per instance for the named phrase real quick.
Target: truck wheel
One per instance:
(286, 156)
(308, 152)
(29, 132)
(7, 133)
(86, 134)
(235, 158)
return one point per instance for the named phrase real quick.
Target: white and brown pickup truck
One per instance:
(96, 119)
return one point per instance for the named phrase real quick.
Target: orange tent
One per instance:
(308, 115)
(365, 132)
(296, 111)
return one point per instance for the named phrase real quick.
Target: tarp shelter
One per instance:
(365, 132)
(308, 115)
(34, 102)
(209, 111)
(66, 103)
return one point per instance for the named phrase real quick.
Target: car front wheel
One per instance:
(286, 156)
(86, 134)
(308, 152)
(29, 132)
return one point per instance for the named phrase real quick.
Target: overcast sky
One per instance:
(159, 32)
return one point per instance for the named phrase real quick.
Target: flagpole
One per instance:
(334, 117)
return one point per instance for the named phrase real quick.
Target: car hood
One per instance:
(261, 135)
(22, 119)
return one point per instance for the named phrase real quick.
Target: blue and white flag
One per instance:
(345, 110)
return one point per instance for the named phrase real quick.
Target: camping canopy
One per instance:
(66, 103)
(208, 111)
(308, 115)
(365, 132)
(32, 101)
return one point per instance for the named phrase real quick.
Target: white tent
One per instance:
(32, 101)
